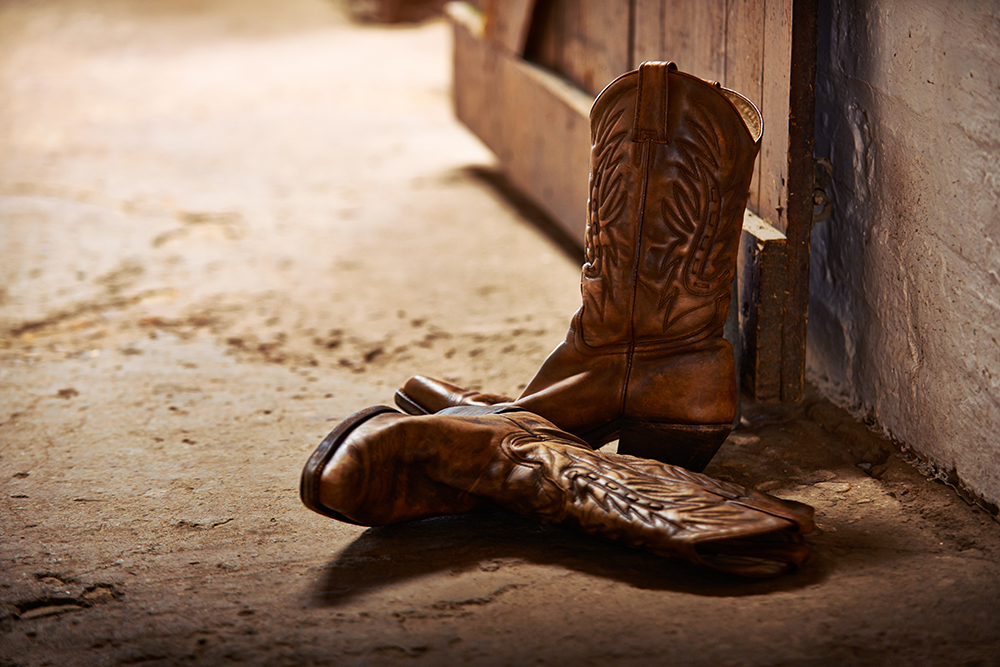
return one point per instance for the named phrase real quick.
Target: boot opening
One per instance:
(760, 556)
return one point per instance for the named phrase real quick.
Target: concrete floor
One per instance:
(225, 226)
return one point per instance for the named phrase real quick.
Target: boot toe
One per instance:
(424, 395)
(370, 471)
(311, 482)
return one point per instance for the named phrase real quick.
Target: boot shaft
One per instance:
(671, 165)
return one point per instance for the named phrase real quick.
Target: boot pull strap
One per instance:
(651, 102)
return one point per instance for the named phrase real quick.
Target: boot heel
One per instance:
(690, 446)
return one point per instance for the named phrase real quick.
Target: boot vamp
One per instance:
(584, 391)
(436, 395)
(578, 392)
(378, 475)
(686, 385)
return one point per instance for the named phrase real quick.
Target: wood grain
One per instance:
(800, 184)
(535, 118)
(537, 123)
(761, 267)
(744, 63)
(693, 35)
(773, 159)
(585, 41)
(507, 23)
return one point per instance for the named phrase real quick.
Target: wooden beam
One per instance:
(776, 55)
(537, 123)
(507, 23)
(799, 197)
(584, 41)
(744, 68)
(761, 267)
(647, 31)
(691, 34)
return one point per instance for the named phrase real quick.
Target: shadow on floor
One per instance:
(389, 555)
(496, 181)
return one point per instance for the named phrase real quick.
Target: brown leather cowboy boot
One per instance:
(645, 360)
(381, 467)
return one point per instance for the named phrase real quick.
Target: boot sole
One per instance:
(312, 473)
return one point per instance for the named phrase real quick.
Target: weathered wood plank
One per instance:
(691, 34)
(708, 39)
(647, 31)
(744, 62)
(761, 267)
(474, 66)
(585, 41)
(537, 123)
(800, 184)
(606, 38)
(507, 23)
(694, 36)
(772, 193)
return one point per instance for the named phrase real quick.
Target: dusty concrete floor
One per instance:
(224, 226)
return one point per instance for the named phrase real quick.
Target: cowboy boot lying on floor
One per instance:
(381, 467)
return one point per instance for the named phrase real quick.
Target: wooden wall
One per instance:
(764, 49)
(746, 45)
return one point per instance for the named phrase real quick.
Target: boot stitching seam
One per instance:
(646, 149)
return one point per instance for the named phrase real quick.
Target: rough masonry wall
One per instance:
(905, 280)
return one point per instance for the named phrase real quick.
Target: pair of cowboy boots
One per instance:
(644, 361)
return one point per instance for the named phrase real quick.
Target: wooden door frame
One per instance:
(766, 48)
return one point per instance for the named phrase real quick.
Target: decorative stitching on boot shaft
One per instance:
(643, 503)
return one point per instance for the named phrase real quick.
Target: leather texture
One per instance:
(671, 166)
(388, 467)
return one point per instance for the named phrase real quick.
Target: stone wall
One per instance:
(905, 278)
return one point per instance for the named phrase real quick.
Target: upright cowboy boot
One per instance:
(381, 467)
(645, 360)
